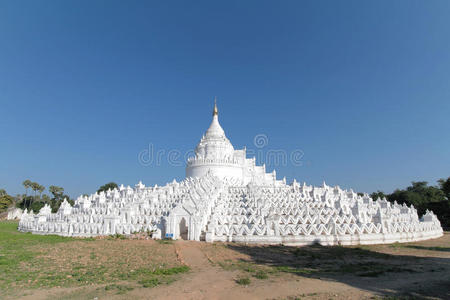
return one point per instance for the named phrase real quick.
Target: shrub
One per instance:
(261, 275)
(243, 281)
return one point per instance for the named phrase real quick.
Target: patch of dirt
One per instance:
(130, 254)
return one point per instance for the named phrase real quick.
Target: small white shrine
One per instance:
(227, 197)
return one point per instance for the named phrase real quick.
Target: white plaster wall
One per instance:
(218, 170)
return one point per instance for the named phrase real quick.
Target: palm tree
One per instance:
(27, 184)
(57, 194)
(46, 199)
(35, 187)
(56, 190)
(41, 189)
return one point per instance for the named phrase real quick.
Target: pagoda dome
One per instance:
(214, 154)
(214, 145)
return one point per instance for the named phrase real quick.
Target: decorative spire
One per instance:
(215, 110)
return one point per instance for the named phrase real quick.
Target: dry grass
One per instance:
(30, 261)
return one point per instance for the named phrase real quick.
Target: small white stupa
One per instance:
(227, 197)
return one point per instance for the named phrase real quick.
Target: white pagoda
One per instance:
(227, 197)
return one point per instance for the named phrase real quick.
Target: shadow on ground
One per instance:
(386, 274)
(443, 249)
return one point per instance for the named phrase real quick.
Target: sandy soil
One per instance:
(417, 270)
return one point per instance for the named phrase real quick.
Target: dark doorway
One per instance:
(183, 229)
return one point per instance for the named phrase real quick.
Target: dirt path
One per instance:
(192, 255)
(206, 281)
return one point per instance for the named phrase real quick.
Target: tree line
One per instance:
(424, 197)
(38, 198)
(36, 202)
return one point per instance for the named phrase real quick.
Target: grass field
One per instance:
(32, 261)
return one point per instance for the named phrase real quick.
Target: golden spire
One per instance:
(215, 110)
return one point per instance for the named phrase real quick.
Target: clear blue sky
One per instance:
(361, 87)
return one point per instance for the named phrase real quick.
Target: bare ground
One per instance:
(238, 271)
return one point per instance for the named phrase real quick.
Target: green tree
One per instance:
(56, 191)
(445, 187)
(27, 184)
(36, 206)
(46, 199)
(25, 203)
(35, 187)
(378, 194)
(58, 196)
(423, 197)
(41, 189)
(418, 194)
(110, 185)
(5, 200)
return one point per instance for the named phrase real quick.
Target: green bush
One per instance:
(243, 281)
(261, 275)
(5, 202)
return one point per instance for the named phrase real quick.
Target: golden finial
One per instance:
(215, 110)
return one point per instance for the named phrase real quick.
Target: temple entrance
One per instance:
(183, 229)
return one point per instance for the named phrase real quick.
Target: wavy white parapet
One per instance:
(217, 209)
